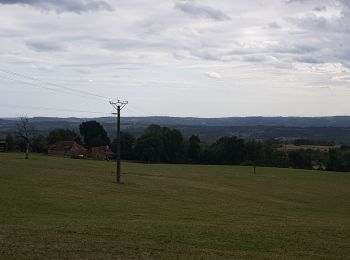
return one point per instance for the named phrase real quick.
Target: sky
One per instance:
(175, 57)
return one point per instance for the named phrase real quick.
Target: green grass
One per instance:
(58, 208)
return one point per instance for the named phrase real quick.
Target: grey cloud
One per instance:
(209, 54)
(44, 46)
(309, 59)
(346, 3)
(82, 71)
(198, 10)
(295, 49)
(290, 51)
(320, 8)
(274, 25)
(256, 58)
(122, 44)
(312, 22)
(76, 6)
(296, 1)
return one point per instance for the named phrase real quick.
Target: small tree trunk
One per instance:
(27, 150)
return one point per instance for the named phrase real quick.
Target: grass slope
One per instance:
(71, 209)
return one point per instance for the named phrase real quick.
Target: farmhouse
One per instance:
(100, 153)
(67, 148)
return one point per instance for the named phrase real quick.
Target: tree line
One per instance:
(160, 144)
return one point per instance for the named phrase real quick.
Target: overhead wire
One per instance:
(21, 78)
(54, 109)
(43, 87)
(55, 85)
(136, 111)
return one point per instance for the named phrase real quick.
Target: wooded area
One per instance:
(160, 144)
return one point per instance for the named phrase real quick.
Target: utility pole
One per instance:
(118, 106)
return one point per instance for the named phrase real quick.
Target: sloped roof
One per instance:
(99, 149)
(77, 147)
(67, 146)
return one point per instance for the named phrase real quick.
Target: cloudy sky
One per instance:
(179, 58)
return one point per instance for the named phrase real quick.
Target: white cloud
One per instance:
(212, 75)
(324, 68)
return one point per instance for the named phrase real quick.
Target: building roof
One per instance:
(99, 149)
(67, 146)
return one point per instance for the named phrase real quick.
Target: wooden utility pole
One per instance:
(118, 106)
(118, 145)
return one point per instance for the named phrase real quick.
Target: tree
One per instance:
(160, 144)
(228, 150)
(94, 134)
(127, 143)
(60, 134)
(300, 159)
(25, 131)
(194, 148)
(39, 144)
(254, 152)
(269, 148)
(149, 146)
(173, 146)
(338, 160)
(10, 142)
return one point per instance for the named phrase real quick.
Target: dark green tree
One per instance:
(60, 134)
(254, 152)
(148, 148)
(338, 160)
(300, 159)
(279, 159)
(194, 149)
(39, 144)
(153, 130)
(228, 150)
(94, 134)
(10, 141)
(127, 143)
(160, 144)
(173, 146)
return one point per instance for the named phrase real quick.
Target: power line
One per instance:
(54, 109)
(43, 87)
(14, 76)
(52, 84)
(138, 111)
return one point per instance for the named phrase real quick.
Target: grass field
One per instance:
(57, 208)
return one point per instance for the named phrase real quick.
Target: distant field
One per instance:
(57, 208)
(322, 148)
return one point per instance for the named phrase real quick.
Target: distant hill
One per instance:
(338, 121)
(335, 121)
(326, 128)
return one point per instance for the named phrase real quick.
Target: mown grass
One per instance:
(59, 208)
